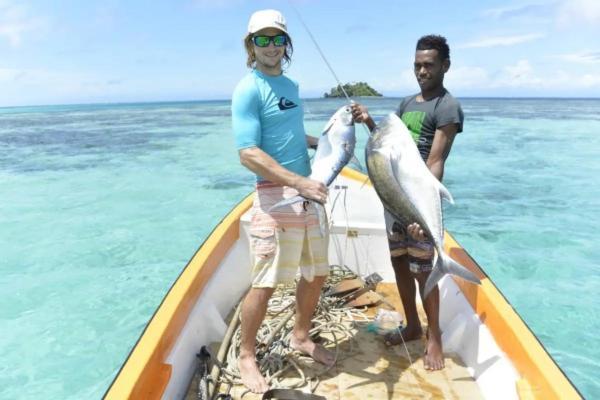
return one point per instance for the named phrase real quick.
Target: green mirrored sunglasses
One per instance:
(263, 40)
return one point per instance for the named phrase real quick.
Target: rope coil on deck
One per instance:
(276, 359)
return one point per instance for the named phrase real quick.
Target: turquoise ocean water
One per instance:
(101, 206)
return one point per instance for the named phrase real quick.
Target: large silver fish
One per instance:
(334, 151)
(410, 192)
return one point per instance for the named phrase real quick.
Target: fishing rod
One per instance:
(325, 60)
(320, 51)
(349, 101)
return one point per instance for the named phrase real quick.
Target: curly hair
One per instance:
(435, 42)
(251, 60)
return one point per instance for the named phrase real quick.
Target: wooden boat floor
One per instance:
(371, 370)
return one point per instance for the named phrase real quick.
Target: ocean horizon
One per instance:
(103, 204)
(216, 100)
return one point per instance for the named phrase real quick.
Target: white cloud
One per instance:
(8, 74)
(589, 80)
(35, 86)
(575, 12)
(404, 81)
(466, 77)
(582, 57)
(27, 78)
(524, 10)
(520, 77)
(15, 22)
(564, 13)
(501, 12)
(48, 86)
(567, 81)
(495, 41)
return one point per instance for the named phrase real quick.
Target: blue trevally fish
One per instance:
(410, 192)
(334, 150)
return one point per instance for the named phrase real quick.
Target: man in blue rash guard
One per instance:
(268, 126)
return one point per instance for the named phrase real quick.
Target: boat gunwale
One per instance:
(541, 382)
(530, 369)
(122, 384)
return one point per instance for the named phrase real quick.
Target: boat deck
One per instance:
(368, 369)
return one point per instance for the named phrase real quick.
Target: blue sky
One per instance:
(57, 52)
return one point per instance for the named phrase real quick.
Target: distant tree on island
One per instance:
(357, 89)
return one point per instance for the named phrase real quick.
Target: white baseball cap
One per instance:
(266, 19)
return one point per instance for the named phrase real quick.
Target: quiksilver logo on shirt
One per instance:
(285, 104)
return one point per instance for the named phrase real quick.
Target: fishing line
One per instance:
(326, 62)
(320, 51)
(347, 98)
(368, 132)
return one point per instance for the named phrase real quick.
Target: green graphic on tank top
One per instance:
(414, 122)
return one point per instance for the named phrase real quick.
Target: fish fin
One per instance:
(328, 126)
(446, 265)
(434, 277)
(287, 202)
(454, 268)
(445, 193)
(394, 166)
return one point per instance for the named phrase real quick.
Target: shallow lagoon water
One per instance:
(103, 205)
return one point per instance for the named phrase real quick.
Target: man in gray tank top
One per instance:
(434, 118)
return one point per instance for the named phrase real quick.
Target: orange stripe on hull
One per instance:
(145, 375)
(541, 377)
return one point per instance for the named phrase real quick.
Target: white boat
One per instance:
(496, 354)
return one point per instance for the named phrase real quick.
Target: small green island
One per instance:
(358, 89)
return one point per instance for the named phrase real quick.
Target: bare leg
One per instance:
(407, 288)
(307, 296)
(434, 356)
(253, 313)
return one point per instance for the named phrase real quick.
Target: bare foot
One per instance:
(251, 377)
(408, 333)
(433, 360)
(316, 351)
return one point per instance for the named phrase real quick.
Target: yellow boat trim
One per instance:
(145, 374)
(541, 378)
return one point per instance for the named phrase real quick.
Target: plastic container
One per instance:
(385, 321)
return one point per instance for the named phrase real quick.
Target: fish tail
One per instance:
(433, 279)
(287, 202)
(446, 265)
(445, 194)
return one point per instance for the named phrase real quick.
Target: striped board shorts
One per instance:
(286, 239)
(420, 254)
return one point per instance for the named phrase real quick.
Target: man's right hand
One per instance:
(312, 189)
(359, 112)
(361, 115)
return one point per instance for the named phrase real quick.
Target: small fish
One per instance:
(410, 192)
(334, 151)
